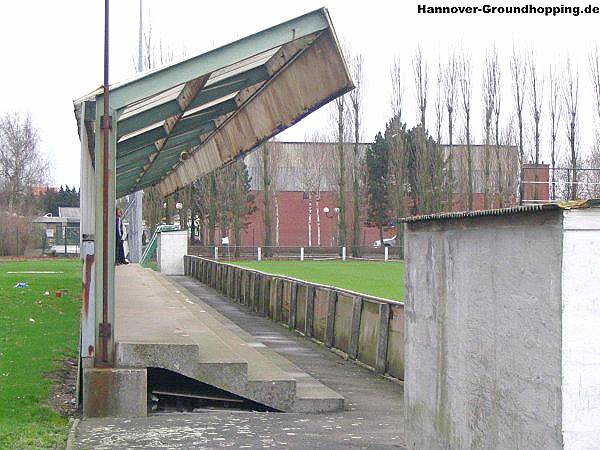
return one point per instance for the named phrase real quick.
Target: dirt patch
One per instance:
(64, 381)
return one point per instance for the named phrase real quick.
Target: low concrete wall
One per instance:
(367, 329)
(483, 332)
(172, 245)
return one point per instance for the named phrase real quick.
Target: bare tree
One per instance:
(595, 76)
(437, 160)
(267, 186)
(155, 55)
(510, 165)
(466, 96)
(555, 107)
(22, 164)
(536, 82)
(356, 99)
(340, 118)
(519, 70)
(593, 172)
(317, 162)
(450, 80)
(497, 107)
(421, 84)
(489, 100)
(397, 90)
(439, 103)
(571, 94)
(396, 136)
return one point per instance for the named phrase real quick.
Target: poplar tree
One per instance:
(377, 184)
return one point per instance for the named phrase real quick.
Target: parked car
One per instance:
(389, 242)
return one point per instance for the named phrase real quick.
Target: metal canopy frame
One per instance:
(192, 104)
(170, 126)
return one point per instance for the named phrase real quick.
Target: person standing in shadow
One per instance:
(120, 250)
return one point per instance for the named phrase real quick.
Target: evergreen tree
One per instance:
(378, 211)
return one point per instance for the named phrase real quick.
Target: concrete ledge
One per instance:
(115, 393)
(181, 358)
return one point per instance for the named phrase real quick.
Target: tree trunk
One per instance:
(469, 165)
(521, 158)
(342, 180)
(356, 199)
(276, 220)
(268, 243)
(318, 219)
(486, 181)
(450, 181)
(309, 219)
(499, 168)
(212, 214)
(574, 190)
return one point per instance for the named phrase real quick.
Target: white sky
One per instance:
(52, 53)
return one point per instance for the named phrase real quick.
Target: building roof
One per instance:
(180, 122)
(69, 212)
(576, 204)
(302, 166)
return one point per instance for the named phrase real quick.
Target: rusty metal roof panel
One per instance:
(514, 210)
(223, 103)
(481, 213)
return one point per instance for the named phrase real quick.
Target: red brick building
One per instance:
(305, 187)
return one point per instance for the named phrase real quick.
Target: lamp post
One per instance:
(179, 207)
(333, 214)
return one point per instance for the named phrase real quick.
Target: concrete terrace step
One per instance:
(311, 395)
(162, 325)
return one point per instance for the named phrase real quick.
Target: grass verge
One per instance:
(381, 279)
(36, 332)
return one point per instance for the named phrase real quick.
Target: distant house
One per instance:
(38, 191)
(60, 234)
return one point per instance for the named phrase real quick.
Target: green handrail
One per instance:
(150, 249)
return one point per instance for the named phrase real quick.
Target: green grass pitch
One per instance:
(36, 330)
(378, 278)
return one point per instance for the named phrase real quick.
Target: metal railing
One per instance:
(295, 253)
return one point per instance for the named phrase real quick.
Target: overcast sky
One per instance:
(52, 53)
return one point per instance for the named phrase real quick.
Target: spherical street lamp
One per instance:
(327, 211)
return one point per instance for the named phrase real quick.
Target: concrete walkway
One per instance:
(373, 406)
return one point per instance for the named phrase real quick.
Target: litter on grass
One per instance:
(21, 285)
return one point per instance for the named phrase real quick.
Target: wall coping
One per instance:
(310, 283)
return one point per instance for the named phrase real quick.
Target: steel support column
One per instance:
(87, 199)
(105, 333)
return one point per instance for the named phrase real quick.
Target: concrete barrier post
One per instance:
(382, 338)
(239, 285)
(355, 330)
(258, 253)
(343, 253)
(329, 330)
(301, 253)
(279, 301)
(293, 305)
(256, 293)
(385, 252)
(310, 311)
(216, 252)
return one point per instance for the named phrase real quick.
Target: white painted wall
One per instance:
(172, 247)
(581, 329)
